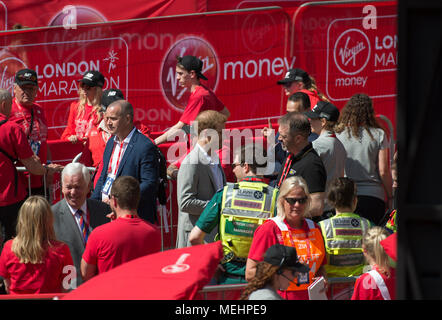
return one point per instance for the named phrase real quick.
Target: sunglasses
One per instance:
(234, 165)
(293, 201)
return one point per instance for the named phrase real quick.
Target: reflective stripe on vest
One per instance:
(245, 206)
(309, 247)
(343, 243)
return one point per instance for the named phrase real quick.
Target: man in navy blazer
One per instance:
(128, 153)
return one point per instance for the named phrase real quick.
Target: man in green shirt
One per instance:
(238, 209)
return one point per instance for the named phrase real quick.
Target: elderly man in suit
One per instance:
(75, 216)
(200, 175)
(128, 153)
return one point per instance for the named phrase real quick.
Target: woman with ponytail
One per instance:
(298, 80)
(379, 283)
(87, 111)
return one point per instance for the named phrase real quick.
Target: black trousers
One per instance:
(371, 208)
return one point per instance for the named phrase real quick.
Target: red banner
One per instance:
(40, 13)
(139, 57)
(350, 48)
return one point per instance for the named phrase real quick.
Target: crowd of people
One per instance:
(316, 208)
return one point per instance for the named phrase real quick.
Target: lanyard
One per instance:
(306, 241)
(288, 164)
(118, 159)
(31, 127)
(128, 216)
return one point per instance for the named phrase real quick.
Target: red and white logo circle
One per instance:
(9, 65)
(259, 32)
(175, 95)
(352, 51)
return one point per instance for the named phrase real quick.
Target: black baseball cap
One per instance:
(324, 110)
(26, 76)
(111, 95)
(284, 257)
(192, 63)
(294, 75)
(93, 79)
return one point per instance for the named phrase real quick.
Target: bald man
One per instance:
(128, 153)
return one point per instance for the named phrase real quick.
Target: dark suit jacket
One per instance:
(66, 228)
(139, 161)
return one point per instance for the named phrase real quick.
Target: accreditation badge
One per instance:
(35, 146)
(108, 185)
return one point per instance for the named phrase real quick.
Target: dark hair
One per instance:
(301, 97)
(341, 192)
(357, 113)
(264, 275)
(126, 190)
(297, 122)
(250, 153)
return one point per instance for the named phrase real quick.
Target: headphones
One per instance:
(280, 271)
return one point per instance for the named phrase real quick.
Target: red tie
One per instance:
(84, 225)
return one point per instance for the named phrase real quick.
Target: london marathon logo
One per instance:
(175, 95)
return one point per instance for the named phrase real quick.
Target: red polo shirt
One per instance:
(136, 238)
(13, 141)
(200, 100)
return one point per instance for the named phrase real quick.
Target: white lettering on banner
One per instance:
(253, 68)
(62, 87)
(6, 82)
(384, 60)
(66, 69)
(349, 54)
(351, 81)
(387, 42)
(153, 114)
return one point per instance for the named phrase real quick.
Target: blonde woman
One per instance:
(291, 228)
(379, 283)
(34, 261)
(87, 111)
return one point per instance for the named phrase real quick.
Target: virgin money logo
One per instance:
(8, 67)
(352, 51)
(175, 95)
(259, 33)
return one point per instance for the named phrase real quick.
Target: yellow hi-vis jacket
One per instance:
(245, 206)
(343, 243)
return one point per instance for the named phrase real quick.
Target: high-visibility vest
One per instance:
(309, 247)
(245, 206)
(343, 242)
